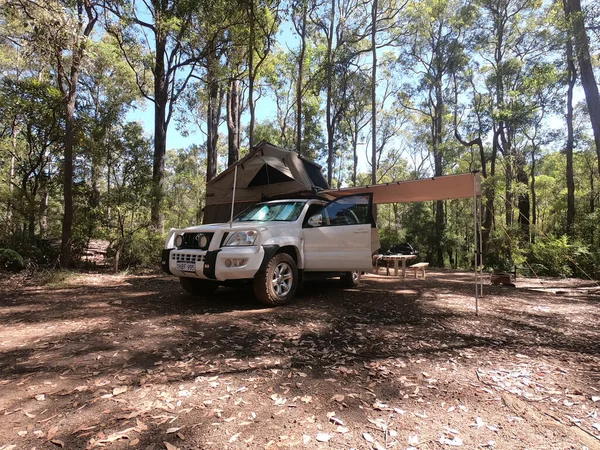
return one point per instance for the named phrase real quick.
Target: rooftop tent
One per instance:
(267, 171)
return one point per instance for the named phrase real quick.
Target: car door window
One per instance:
(352, 210)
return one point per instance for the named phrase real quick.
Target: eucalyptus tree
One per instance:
(513, 45)
(434, 51)
(263, 19)
(154, 37)
(60, 31)
(108, 92)
(301, 11)
(577, 22)
(34, 107)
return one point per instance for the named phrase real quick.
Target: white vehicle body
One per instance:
(339, 236)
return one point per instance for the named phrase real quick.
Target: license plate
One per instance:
(186, 266)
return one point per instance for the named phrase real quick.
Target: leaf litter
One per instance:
(382, 372)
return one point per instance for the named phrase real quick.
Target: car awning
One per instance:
(465, 185)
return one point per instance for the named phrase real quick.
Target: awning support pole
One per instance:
(480, 217)
(233, 196)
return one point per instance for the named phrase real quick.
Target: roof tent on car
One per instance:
(266, 172)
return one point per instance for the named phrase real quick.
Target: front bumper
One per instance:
(213, 265)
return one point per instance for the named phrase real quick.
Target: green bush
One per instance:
(11, 261)
(557, 257)
(142, 250)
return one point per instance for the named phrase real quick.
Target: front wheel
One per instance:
(350, 279)
(277, 284)
(195, 286)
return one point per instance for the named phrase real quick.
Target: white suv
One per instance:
(275, 244)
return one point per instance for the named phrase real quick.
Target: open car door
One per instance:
(339, 236)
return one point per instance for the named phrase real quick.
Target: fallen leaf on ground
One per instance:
(323, 437)
(119, 390)
(173, 430)
(58, 442)
(368, 437)
(454, 442)
(51, 433)
(170, 446)
(337, 398)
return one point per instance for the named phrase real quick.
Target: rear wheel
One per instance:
(194, 286)
(277, 284)
(350, 279)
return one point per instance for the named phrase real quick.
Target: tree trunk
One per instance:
(533, 194)
(588, 82)
(233, 113)
(213, 116)
(328, 114)
(572, 77)
(374, 92)
(354, 153)
(9, 205)
(44, 214)
(251, 76)
(523, 199)
(300, 79)
(67, 225)
(161, 98)
(438, 160)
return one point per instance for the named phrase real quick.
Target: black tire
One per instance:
(350, 279)
(277, 284)
(197, 287)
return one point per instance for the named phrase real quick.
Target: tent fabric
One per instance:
(465, 185)
(267, 171)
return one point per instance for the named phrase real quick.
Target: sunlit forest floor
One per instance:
(131, 361)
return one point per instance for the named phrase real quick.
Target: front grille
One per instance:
(186, 257)
(193, 240)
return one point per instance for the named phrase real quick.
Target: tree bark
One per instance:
(233, 114)
(438, 160)
(44, 213)
(161, 96)
(574, 14)
(523, 201)
(572, 78)
(328, 112)
(374, 7)
(300, 80)
(213, 117)
(251, 76)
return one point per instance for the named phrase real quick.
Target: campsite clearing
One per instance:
(134, 362)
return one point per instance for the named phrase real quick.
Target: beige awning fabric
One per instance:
(446, 187)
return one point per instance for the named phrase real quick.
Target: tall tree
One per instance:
(154, 40)
(263, 21)
(576, 19)
(435, 51)
(62, 29)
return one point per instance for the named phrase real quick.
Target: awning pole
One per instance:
(480, 217)
(475, 246)
(233, 196)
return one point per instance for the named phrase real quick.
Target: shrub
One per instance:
(556, 256)
(11, 261)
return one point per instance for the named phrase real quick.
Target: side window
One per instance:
(353, 210)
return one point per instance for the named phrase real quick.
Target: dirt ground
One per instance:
(132, 361)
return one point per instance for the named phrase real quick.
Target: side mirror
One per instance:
(316, 220)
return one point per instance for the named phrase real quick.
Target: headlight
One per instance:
(178, 240)
(241, 238)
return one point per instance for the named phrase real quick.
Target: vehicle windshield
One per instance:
(264, 212)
